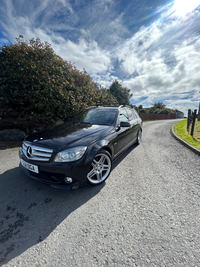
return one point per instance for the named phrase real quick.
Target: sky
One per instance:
(151, 47)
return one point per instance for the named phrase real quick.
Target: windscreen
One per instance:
(97, 116)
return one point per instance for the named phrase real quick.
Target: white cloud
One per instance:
(84, 54)
(105, 79)
(156, 71)
(66, 4)
(183, 105)
(4, 41)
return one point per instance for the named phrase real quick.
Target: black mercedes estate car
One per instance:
(72, 154)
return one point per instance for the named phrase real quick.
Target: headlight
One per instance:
(71, 154)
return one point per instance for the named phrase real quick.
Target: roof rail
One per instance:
(115, 104)
(125, 105)
(107, 104)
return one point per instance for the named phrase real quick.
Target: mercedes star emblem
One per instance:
(29, 151)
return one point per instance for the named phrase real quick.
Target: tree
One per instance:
(105, 97)
(142, 111)
(122, 94)
(159, 105)
(156, 110)
(164, 111)
(37, 86)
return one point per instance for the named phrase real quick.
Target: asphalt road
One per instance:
(146, 214)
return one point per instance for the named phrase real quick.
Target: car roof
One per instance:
(111, 107)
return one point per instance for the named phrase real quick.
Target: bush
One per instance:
(37, 87)
(164, 111)
(142, 111)
(151, 110)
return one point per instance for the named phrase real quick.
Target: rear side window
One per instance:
(136, 116)
(123, 116)
(130, 114)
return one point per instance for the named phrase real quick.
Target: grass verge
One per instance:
(180, 131)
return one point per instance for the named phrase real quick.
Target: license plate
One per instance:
(29, 166)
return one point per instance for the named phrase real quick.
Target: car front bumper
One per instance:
(54, 173)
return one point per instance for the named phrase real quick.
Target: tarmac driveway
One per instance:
(146, 214)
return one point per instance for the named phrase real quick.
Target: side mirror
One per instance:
(125, 124)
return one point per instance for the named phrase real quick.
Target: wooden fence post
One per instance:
(188, 120)
(199, 112)
(193, 122)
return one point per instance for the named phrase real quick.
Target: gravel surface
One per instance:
(146, 214)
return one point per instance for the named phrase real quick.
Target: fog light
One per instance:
(68, 180)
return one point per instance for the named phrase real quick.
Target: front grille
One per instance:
(33, 152)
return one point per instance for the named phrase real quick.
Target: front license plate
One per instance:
(29, 166)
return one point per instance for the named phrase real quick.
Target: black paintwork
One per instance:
(69, 135)
(114, 138)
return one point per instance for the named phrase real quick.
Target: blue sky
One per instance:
(151, 46)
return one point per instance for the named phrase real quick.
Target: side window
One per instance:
(135, 114)
(123, 115)
(130, 114)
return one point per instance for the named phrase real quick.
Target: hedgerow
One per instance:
(38, 87)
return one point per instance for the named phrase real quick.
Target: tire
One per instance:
(139, 137)
(100, 168)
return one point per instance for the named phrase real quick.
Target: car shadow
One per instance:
(30, 211)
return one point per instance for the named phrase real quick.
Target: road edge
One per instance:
(195, 150)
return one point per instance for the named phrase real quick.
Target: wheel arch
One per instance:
(108, 149)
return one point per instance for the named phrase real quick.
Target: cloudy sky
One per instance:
(151, 46)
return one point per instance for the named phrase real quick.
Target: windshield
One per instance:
(96, 116)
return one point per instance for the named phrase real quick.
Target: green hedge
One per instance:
(37, 87)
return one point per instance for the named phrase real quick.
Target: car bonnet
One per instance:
(69, 135)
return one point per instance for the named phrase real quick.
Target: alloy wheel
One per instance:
(100, 168)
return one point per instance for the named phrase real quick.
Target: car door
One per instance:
(133, 120)
(122, 139)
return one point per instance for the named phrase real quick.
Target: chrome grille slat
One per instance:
(41, 154)
(42, 149)
(38, 153)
